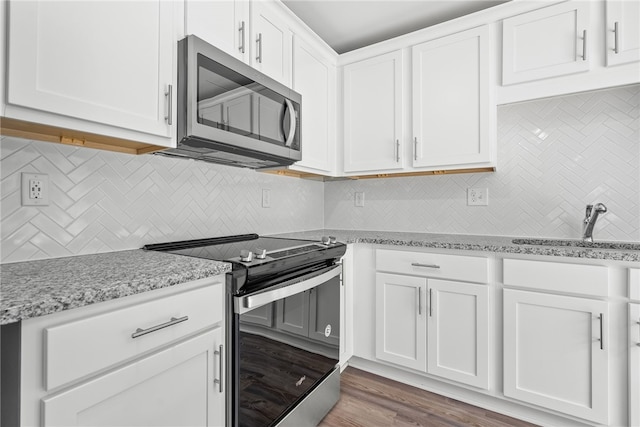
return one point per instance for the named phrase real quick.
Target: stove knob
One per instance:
(324, 240)
(261, 253)
(246, 256)
(332, 240)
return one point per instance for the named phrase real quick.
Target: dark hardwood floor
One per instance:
(368, 400)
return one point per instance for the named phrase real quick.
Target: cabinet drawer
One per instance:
(79, 348)
(556, 276)
(455, 267)
(634, 283)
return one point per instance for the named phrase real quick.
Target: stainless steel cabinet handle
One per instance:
(417, 264)
(169, 95)
(174, 321)
(415, 148)
(430, 302)
(419, 301)
(293, 121)
(220, 365)
(584, 45)
(601, 331)
(397, 151)
(638, 343)
(241, 31)
(616, 39)
(259, 46)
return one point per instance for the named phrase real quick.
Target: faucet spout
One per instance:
(591, 216)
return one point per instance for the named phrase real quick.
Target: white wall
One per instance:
(554, 156)
(103, 201)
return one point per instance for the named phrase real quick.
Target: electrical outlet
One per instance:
(358, 199)
(266, 198)
(477, 196)
(35, 189)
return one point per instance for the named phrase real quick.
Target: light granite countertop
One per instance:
(36, 288)
(497, 244)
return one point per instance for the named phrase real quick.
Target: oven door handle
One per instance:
(249, 302)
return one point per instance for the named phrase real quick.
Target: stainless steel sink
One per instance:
(624, 246)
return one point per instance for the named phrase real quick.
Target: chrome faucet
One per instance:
(590, 218)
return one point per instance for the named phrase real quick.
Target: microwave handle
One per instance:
(292, 123)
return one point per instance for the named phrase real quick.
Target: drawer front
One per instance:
(555, 276)
(454, 267)
(76, 349)
(634, 284)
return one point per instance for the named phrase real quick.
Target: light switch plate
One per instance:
(266, 198)
(358, 199)
(35, 189)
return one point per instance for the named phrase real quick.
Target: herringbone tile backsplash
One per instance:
(554, 157)
(102, 201)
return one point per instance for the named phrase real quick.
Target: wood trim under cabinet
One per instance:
(46, 133)
(307, 175)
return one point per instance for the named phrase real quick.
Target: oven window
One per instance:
(285, 348)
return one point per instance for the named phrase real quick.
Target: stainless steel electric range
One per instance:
(283, 325)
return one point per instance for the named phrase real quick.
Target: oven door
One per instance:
(286, 342)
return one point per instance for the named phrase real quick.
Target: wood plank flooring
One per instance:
(368, 400)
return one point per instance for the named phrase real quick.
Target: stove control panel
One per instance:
(246, 256)
(328, 240)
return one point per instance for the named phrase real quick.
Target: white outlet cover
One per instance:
(26, 178)
(358, 199)
(477, 197)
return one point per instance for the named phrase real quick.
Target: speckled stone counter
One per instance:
(36, 288)
(498, 244)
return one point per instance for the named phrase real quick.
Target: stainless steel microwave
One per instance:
(232, 114)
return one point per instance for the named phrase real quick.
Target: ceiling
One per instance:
(350, 24)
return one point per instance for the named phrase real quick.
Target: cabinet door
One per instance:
(174, 387)
(451, 105)
(458, 331)
(373, 114)
(552, 41)
(401, 320)
(292, 314)
(102, 61)
(314, 79)
(324, 312)
(271, 38)
(623, 31)
(634, 365)
(223, 23)
(556, 353)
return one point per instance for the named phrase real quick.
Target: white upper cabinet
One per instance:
(222, 23)
(452, 112)
(314, 77)
(548, 42)
(110, 63)
(623, 31)
(272, 39)
(373, 114)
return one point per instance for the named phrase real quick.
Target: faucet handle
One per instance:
(588, 211)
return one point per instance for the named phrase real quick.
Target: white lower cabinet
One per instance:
(401, 335)
(556, 353)
(172, 387)
(436, 326)
(634, 365)
(458, 332)
(152, 359)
